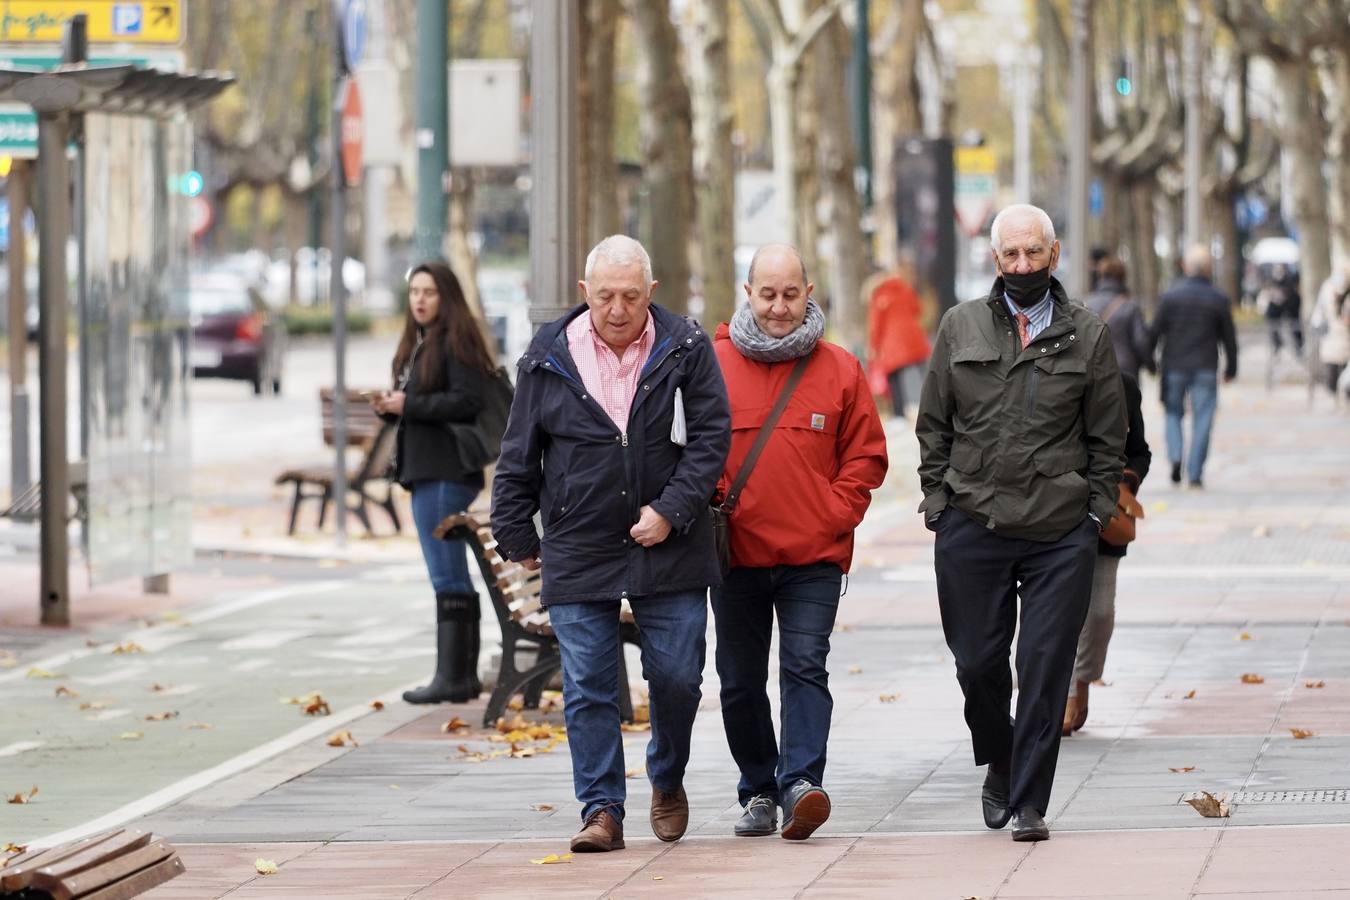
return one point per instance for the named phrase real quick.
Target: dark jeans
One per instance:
(806, 599)
(673, 630)
(432, 501)
(895, 379)
(1203, 387)
(979, 577)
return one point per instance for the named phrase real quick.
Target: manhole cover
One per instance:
(1334, 795)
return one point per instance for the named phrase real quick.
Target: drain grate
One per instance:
(1333, 795)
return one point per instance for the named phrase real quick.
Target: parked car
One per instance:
(234, 334)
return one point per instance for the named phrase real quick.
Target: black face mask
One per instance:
(1029, 289)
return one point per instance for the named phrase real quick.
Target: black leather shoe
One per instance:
(1029, 825)
(805, 809)
(760, 817)
(994, 799)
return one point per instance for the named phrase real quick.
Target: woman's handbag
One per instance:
(721, 513)
(1121, 529)
(479, 443)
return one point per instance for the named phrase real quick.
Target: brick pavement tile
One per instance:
(1290, 860)
(215, 869)
(921, 866)
(736, 867)
(506, 870)
(1073, 865)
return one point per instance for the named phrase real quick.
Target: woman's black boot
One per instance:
(456, 622)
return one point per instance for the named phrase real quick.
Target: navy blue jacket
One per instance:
(563, 457)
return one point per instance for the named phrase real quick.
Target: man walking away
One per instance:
(617, 436)
(1112, 303)
(1194, 320)
(1021, 438)
(791, 528)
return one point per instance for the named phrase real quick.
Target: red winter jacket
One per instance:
(815, 478)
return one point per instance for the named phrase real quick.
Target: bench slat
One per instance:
(96, 855)
(19, 872)
(141, 882)
(100, 876)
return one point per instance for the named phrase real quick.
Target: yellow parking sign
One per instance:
(109, 21)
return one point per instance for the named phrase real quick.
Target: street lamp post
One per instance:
(1081, 127)
(433, 128)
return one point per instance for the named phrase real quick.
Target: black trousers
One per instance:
(979, 577)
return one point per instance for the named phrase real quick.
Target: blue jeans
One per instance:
(1203, 387)
(447, 564)
(806, 599)
(673, 630)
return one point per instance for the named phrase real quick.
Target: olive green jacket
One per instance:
(1026, 441)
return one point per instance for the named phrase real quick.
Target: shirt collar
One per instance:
(1031, 312)
(644, 340)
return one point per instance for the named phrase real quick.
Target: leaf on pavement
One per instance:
(454, 726)
(157, 688)
(1181, 769)
(342, 739)
(264, 866)
(1244, 636)
(515, 704)
(1302, 733)
(1209, 806)
(553, 859)
(855, 670)
(22, 797)
(1315, 684)
(642, 714)
(658, 878)
(317, 706)
(37, 672)
(1189, 695)
(63, 691)
(126, 648)
(519, 752)
(93, 705)
(889, 698)
(377, 705)
(516, 723)
(1252, 678)
(14, 849)
(200, 726)
(130, 736)
(162, 716)
(542, 807)
(636, 771)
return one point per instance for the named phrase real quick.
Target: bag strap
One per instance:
(1117, 302)
(765, 432)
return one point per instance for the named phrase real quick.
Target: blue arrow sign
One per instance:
(353, 33)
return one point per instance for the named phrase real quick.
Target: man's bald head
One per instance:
(776, 251)
(778, 289)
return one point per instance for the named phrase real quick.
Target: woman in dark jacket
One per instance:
(440, 370)
(1101, 617)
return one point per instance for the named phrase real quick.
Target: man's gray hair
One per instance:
(621, 250)
(1020, 211)
(1197, 261)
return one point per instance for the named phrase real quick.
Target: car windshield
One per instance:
(217, 302)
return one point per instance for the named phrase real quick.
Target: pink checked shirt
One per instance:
(611, 380)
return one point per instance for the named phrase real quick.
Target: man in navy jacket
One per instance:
(617, 437)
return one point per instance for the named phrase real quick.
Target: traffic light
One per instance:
(192, 183)
(1124, 86)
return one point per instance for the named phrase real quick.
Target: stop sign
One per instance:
(353, 130)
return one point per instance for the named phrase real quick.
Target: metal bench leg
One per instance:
(295, 509)
(534, 689)
(389, 507)
(323, 506)
(359, 510)
(509, 683)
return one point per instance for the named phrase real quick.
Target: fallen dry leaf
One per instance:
(542, 807)
(342, 739)
(1209, 806)
(855, 670)
(264, 866)
(14, 849)
(889, 698)
(157, 688)
(517, 723)
(1315, 684)
(130, 736)
(128, 647)
(636, 771)
(1302, 733)
(200, 726)
(22, 797)
(37, 672)
(162, 716)
(1244, 636)
(515, 704)
(455, 725)
(642, 714)
(63, 691)
(1252, 678)
(658, 878)
(1181, 769)
(1189, 695)
(94, 705)
(553, 859)
(317, 706)
(377, 705)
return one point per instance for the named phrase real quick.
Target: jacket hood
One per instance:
(668, 324)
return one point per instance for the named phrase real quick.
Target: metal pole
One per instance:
(53, 203)
(338, 294)
(862, 101)
(554, 238)
(1078, 147)
(376, 185)
(433, 128)
(19, 474)
(1194, 106)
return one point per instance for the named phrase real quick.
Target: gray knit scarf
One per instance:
(755, 344)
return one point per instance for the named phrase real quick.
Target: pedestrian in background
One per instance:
(1021, 435)
(1331, 323)
(1112, 303)
(1194, 321)
(617, 436)
(896, 336)
(1111, 546)
(1281, 301)
(796, 505)
(441, 368)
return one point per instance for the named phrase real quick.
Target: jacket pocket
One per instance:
(966, 456)
(1058, 462)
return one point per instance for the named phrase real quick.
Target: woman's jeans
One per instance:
(447, 563)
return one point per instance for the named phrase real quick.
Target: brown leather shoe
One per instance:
(601, 833)
(670, 814)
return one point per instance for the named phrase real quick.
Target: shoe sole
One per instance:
(998, 824)
(808, 814)
(765, 833)
(594, 847)
(1023, 837)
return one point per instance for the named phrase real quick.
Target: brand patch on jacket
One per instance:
(818, 421)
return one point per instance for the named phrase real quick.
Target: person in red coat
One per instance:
(896, 338)
(791, 531)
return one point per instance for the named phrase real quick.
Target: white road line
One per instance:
(18, 747)
(251, 665)
(374, 636)
(268, 639)
(193, 783)
(211, 613)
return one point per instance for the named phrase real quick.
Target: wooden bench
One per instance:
(524, 622)
(27, 506)
(369, 481)
(115, 865)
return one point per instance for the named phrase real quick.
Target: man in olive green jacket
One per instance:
(1021, 433)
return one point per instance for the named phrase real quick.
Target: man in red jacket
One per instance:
(791, 536)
